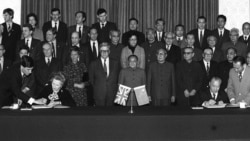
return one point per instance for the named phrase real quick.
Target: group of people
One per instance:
(83, 66)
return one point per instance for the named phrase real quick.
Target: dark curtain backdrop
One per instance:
(119, 11)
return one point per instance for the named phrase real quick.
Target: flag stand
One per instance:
(131, 111)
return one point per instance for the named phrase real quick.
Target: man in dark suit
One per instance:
(189, 79)
(82, 29)
(92, 45)
(214, 95)
(225, 66)
(59, 26)
(103, 76)
(174, 52)
(209, 67)
(58, 48)
(159, 33)
(180, 39)
(103, 26)
(151, 46)
(221, 33)
(11, 34)
(238, 87)
(4, 62)
(201, 33)
(245, 37)
(30, 42)
(133, 27)
(11, 83)
(161, 80)
(45, 66)
(217, 53)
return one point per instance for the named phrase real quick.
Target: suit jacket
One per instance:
(104, 87)
(239, 46)
(10, 86)
(103, 33)
(139, 52)
(63, 96)
(10, 40)
(223, 39)
(92, 55)
(174, 54)
(43, 71)
(206, 96)
(207, 76)
(239, 90)
(62, 32)
(197, 54)
(217, 55)
(161, 81)
(223, 72)
(6, 65)
(182, 43)
(35, 51)
(204, 43)
(140, 37)
(84, 37)
(247, 42)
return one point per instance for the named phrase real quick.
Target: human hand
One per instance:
(211, 102)
(79, 85)
(173, 99)
(192, 93)
(40, 101)
(54, 103)
(25, 90)
(186, 93)
(220, 102)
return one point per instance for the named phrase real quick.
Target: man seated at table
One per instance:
(238, 87)
(11, 83)
(214, 95)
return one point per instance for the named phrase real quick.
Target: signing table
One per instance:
(115, 123)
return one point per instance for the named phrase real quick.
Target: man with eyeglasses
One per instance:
(103, 76)
(209, 67)
(189, 79)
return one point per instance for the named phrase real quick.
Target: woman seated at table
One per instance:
(55, 94)
(76, 75)
(133, 76)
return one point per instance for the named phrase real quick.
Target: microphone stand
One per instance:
(131, 111)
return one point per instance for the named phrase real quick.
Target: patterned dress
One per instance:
(74, 73)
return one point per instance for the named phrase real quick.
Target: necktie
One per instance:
(213, 96)
(240, 76)
(56, 26)
(208, 68)
(221, 34)
(102, 26)
(53, 50)
(48, 61)
(179, 41)
(27, 43)
(201, 37)
(105, 67)
(9, 27)
(159, 36)
(245, 38)
(80, 32)
(23, 78)
(94, 49)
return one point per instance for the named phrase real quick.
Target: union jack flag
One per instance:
(122, 95)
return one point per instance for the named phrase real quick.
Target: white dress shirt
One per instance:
(96, 46)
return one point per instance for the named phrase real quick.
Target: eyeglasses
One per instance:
(104, 51)
(187, 53)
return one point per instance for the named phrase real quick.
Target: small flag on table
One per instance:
(141, 95)
(122, 95)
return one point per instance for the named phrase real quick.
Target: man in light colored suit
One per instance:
(238, 88)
